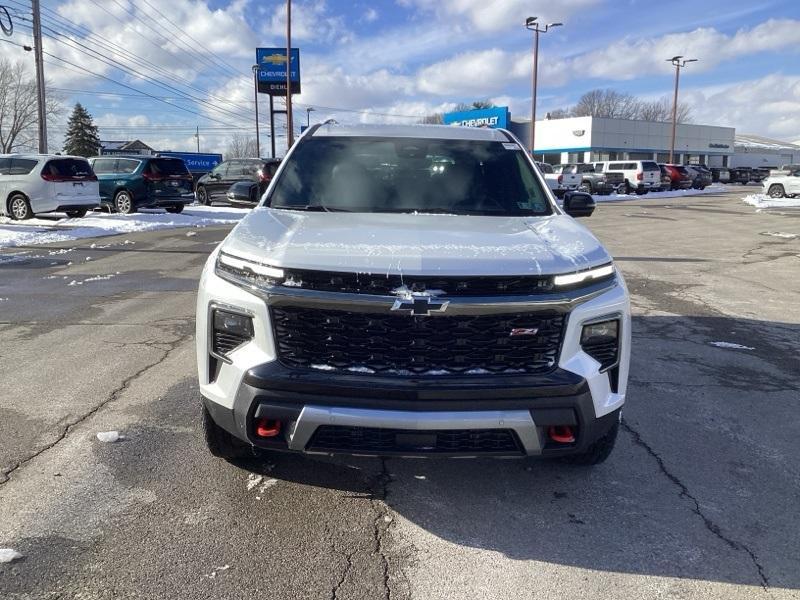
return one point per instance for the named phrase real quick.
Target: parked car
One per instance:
(701, 177)
(559, 183)
(782, 183)
(759, 174)
(679, 176)
(741, 175)
(322, 320)
(592, 181)
(666, 179)
(128, 183)
(639, 176)
(243, 193)
(214, 186)
(32, 184)
(720, 175)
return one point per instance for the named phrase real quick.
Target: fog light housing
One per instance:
(229, 331)
(600, 340)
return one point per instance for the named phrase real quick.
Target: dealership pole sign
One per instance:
(272, 71)
(496, 117)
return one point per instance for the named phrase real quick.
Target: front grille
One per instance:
(395, 344)
(384, 285)
(337, 438)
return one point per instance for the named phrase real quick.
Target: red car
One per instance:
(681, 180)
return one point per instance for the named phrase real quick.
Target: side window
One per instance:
(103, 166)
(615, 166)
(271, 169)
(126, 166)
(5, 166)
(251, 168)
(21, 166)
(220, 169)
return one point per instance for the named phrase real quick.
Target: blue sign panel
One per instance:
(195, 161)
(272, 70)
(497, 117)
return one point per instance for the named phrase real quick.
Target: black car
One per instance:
(743, 175)
(215, 185)
(720, 175)
(243, 193)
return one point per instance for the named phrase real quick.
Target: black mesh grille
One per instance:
(396, 344)
(605, 353)
(383, 285)
(225, 342)
(334, 438)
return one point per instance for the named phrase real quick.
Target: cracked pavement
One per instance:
(700, 498)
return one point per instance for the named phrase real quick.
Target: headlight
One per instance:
(600, 340)
(245, 272)
(591, 274)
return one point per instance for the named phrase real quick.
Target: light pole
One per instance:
(532, 25)
(255, 97)
(289, 120)
(309, 110)
(679, 63)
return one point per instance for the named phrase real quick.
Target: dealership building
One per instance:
(590, 139)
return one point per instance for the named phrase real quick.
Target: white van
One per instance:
(41, 183)
(641, 176)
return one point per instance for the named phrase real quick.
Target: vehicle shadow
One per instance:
(703, 483)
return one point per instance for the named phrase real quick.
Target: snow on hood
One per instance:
(416, 244)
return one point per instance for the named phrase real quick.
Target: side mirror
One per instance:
(578, 204)
(215, 176)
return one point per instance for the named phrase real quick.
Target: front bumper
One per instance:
(255, 385)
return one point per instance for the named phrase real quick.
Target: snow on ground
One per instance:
(764, 201)
(47, 229)
(712, 189)
(731, 346)
(8, 555)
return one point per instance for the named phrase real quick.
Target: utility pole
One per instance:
(272, 124)
(532, 25)
(40, 99)
(255, 97)
(679, 63)
(289, 123)
(197, 137)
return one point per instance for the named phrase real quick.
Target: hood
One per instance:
(415, 244)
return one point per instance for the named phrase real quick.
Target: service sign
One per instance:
(496, 117)
(272, 71)
(196, 162)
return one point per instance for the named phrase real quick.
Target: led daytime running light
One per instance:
(573, 278)
(255, 268)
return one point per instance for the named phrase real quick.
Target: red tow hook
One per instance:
(268, 428)
(562, 434)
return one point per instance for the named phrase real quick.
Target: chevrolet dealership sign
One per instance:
(497, 117)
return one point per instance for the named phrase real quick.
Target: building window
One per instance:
(552, 158)
(663, 157)
(640, 156)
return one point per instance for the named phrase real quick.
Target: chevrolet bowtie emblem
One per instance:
(419, 306)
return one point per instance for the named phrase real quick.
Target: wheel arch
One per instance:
(11, 194)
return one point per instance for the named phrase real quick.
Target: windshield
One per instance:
(409, 175)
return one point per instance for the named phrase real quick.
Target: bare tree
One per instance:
(240, 146)
(477, 104)
(434, 119)
(661, 110)
(561, 113)
(606, 103)
(18, 111)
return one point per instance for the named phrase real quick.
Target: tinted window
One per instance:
(220, 169)
(102, 166)
(545, 167)
(409, 175)
(649, 165)
(21, 166)
(126, 166)
(270, 169)
(585, 169)
(167, 166)
(5, 165)
(67, 168)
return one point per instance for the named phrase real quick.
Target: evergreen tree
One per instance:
(81, 138)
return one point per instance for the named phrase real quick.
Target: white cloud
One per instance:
(489, 16)
(310, 21)
(370, 15)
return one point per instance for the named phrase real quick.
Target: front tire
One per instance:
(78, 213)
(202, 196)
(776, 191)
(19, 208)
(221, 443)
(597, 452)
(123, 203)
(175, 209)
(587, 187)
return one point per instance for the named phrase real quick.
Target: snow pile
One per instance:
(731, 346)
(45, 230)
(764, 201)
(714, 188)
(8, 555)
(109, 437)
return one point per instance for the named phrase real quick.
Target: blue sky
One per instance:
(398, 60)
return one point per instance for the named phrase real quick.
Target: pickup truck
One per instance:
(592, 181)
(559, 183)
(412, 291)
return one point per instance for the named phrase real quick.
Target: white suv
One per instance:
(43, 183)
(783, 182)
(640, 176)
(412, 290)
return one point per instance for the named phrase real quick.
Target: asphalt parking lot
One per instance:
(701, 498)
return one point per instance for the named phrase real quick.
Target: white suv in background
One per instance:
(41, 183)
(640, 176)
